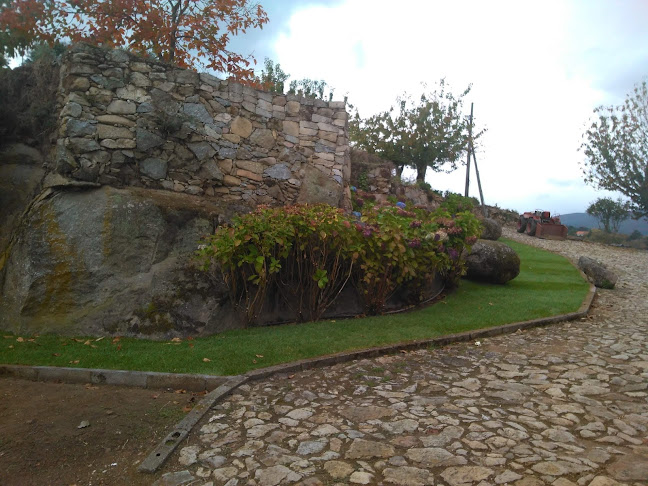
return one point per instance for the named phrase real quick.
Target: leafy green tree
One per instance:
(431, 133)
(616, 149)
(312, 88)
(609, 212)
(272, 78)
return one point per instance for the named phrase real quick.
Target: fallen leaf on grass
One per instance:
(290, 377)
(259, 355)
(176, 340)
(56, 354)
(156, 396)
(116, 340)
(181, 391)
(8, 337)
(87, 343)
(187, 409)
(99, 339)
(20, 340)
(254, 361)
(76, 361)
(206, 360)
(11, 346)
(83, 424)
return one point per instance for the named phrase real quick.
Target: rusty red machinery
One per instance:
(542, 225)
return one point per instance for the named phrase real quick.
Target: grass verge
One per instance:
(548, 285)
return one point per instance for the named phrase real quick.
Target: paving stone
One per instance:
(407, 476)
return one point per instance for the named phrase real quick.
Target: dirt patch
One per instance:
(41, 442)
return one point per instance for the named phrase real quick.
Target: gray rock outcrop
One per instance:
(492, 262)
(597, 273)
(103, 260)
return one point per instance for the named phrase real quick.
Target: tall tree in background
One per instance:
(183, 32)
(616, 147)
(431, 133)
(609, 212)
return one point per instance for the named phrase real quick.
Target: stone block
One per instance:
(197, 111)
(229, 180)
(109, 131)
(293, 107)
(133, 93)
(250, 165)
(80, 128)
(153, 167)
(249, 175)
(147, 140)
(291, 128)
(121, 107)
(320, 119)
(71, 109)
(241, 126)
(140, 80)
(83, 145)
(120, 143)
(263, 138)
(115, 120)
(140, 67)
(202, 150)
(326, 127)
(279, 172)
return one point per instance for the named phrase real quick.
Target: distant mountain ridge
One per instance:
(584, 219)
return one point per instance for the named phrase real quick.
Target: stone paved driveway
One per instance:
(562, 405)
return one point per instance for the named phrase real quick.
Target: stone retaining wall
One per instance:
(129, 121)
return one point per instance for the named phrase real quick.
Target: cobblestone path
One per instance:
(563, 405)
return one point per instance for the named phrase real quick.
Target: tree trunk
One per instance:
(399, 172)
(420, 173)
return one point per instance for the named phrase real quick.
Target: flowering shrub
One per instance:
(305, 255)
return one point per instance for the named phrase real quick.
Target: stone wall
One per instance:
(129, 121)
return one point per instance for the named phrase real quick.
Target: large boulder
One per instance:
(96, 261)
(597, 273)
(492, 262)
(21, 173)
(492, 230)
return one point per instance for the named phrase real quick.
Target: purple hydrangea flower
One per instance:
(400, 204)
(357, 214)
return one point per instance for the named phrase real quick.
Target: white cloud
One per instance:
(537, 69)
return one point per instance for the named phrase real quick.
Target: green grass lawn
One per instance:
(547, 285)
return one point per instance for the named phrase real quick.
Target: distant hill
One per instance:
(584, 219)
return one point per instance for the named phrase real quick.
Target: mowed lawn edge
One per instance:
(548, 285)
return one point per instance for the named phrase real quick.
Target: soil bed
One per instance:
(40, 442)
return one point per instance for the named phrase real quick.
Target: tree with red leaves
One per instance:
(184, 32)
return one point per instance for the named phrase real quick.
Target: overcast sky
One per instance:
(538, 70)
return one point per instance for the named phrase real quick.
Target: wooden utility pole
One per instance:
(469, 150)
(471, 153)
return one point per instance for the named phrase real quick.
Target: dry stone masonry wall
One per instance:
(128, 121)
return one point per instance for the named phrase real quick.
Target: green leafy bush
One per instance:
(305, 255)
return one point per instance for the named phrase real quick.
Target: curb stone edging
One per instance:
(138, 379)
(166, 447)
(222, 386)
(169, 444)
